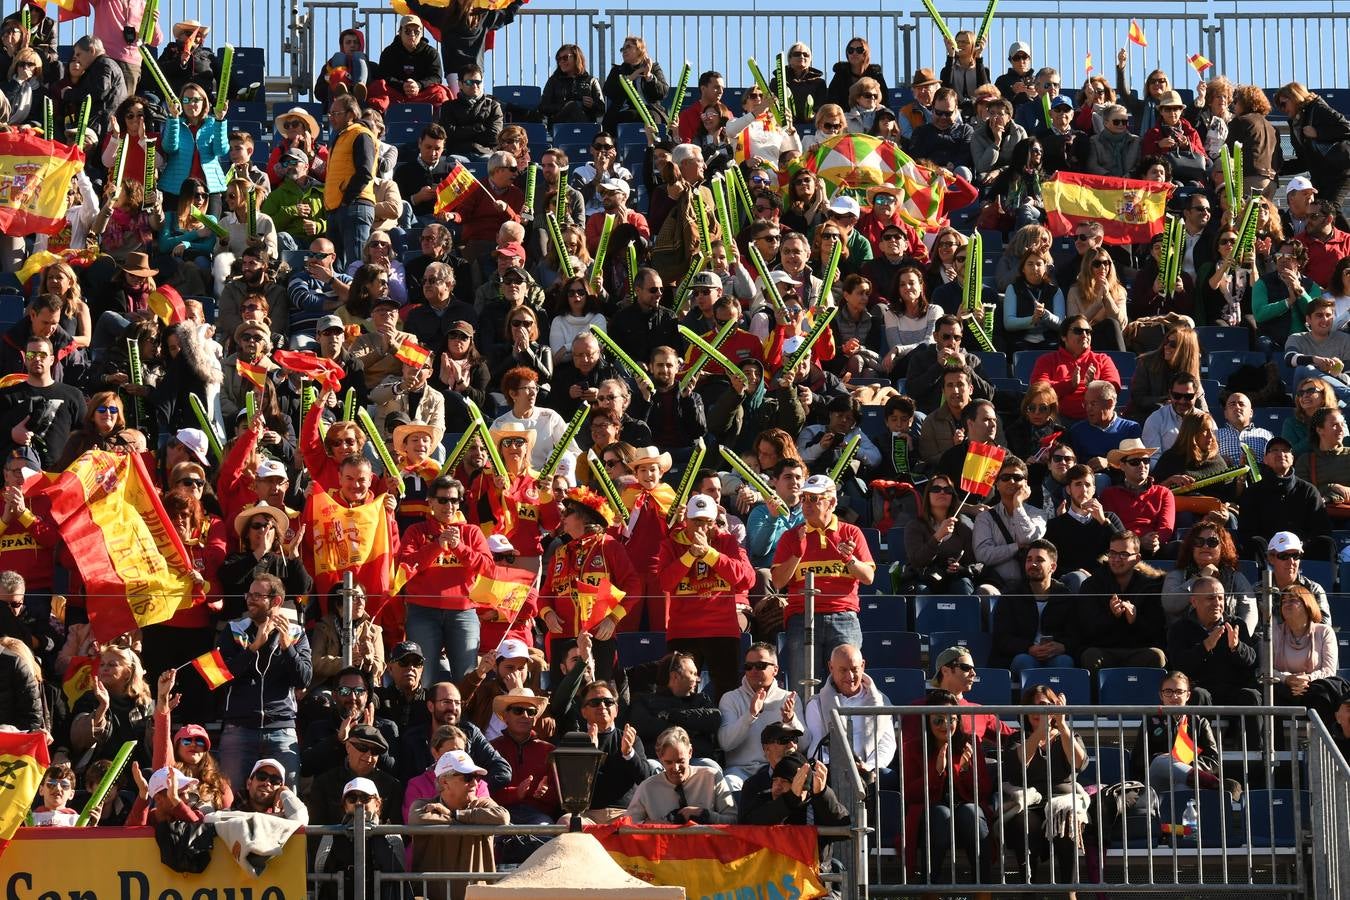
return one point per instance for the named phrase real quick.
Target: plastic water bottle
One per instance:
(1190, 819)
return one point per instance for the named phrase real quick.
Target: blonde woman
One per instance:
(1099, 297)
(193, 140)
(1157, 369)
(117, 710)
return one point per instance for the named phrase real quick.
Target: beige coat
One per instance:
(453, 852)
(325, 647)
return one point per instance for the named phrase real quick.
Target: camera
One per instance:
(129, 35)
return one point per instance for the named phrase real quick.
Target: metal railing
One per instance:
(1260, 843)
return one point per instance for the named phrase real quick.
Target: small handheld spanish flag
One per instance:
(251, 372)
(411, 353)
(1137, 34)
(981, 467)
(211, 666)
(1087, 63)
(1183, 748)
(1199, 63)
(458, 184)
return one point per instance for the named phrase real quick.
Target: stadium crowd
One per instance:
(1129, 492)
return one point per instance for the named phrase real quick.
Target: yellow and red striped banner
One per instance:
(168, 304)
(1137, 34)
(459, 183)
(72, 9)
(351, 539)
(412, 353)
(1199, 63)
(23, 762)
(35, 179)
(502, 594)
(132, 560)
(13, 378)
(980, 467)
(1130, 210)
(1183, 748)
(743, 861)
(211, 666)
(79, 678)
(251, 372)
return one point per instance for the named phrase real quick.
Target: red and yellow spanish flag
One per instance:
(412, 353)
(132, 560)
(498, 591)
(1131, 211)
(168, 304)
(352, 539)
(1137, 34)
(980, 468)
(1087, 63)
(741, 861)
(1183, 748)
(35, 182)
(304, 362)
(459, 183)
(251, 372)
(1199, 62)
(72, 9)
(78, 679)
(596, 597)
(23, 762)
(211, 666)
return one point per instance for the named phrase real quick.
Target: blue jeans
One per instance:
(241, 747)
(1027, 661)
(971, 833)
(452, 631)
(832, 629)
(349, 228)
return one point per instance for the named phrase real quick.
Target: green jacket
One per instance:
(281, 205)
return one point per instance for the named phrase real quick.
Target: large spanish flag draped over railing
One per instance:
(743, 861)
(1131, 211)
(35, 182)
(352, 539)
(132, 560)
(23, 762)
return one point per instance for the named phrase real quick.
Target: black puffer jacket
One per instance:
(471, 126)
(844, 79)
(808, 93)
(20, 695)
(563, 96)
(421, 64)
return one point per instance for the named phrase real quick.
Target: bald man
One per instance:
(873, 737)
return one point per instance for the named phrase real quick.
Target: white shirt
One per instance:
(548, 428)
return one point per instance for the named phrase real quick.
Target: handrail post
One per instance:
(808, 661)
(359, 852)
(602, 27)
(906, 45)
(348, 631)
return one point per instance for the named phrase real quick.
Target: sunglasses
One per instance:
(350, 691)
(513, 442)
(1289, 554)
(962, 666)
(192, 742)
(473, 81)
(883, 200)
(35, 354)
(446, 501)
(369, 749)
(855, 49)
(942, 489)
(1227, 242)
(521, 323)
(782, 741)
(1061, 458)
(1176, 395)
(110, 410)
(597, 702)
(1040, 408)
(273, 780)
(1086, 332)
(262, 526)
(758, 666)
(1101, 264)
(1118, 121)
(870, 96)
(1309, 391)
(598, 147)
(800, 54)
(1203, 209)
(520, 710)
(1136, 461)
(62, 783)
(943, 113)
(191, 482)
(1210, 542)
(1013, 478)
(357, 797)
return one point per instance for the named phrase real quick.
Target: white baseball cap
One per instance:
(195, 440)
(1018, 47)
(843, 205)
(792, 344)
(512, 649)
(1299, 183)
(778, 276)
(818, 484)
(500, 543)
(701, 506)
(267, 763)
(159, 781)
(364, 785)
(1284, 541)
(457, 761)
(270, 468)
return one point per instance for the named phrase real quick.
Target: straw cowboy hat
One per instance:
(278, 517)
(651, 455)
(525, 698)
(187, 27)
(301, 114)
(403, 432)
(513, 429)
(138, 263)
(1130, 447)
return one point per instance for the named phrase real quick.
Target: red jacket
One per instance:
(971, 781)
(1154, 509)
(26, 546)
(323, 469)
(441, 578)
(819, 552)
(522, 510)
(595, 224)
(1323, 256)
(1058, 368)
(482, 217)
(648, 530)
(590, 558)
(527, 760)
(1158, 132)
(704, 593)
(871, 225)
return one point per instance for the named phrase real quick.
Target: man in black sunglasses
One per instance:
(366, 753)
(473, 119)
(353, 706)
(266, 792)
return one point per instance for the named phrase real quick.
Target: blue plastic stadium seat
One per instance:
(1107, 768)
(991, 239)
(577, 154)
(631, 133)
(313, 107)
(892, 649)
(977, 643)
(1074, 684)
(1279, 805)
(1340, 604)
(1320, 571)
(575, 132)
(1125, 363)
(992, 686)
(247, 110)
(899, 685)
(416, 113)
(1023, 362)
(892, 816)
(874, 544)
(1129, 686)
(1337, 98)
(1271, 418)
(525, 96)
(254, 127)
(993, 365)
(1221, 339)
(942, 612)
(899, 96)
(883, 614)
(637, 647)
(537, 135)
(1221, 365)
(11, 309)
(401, 134)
